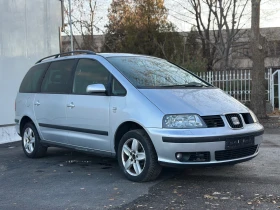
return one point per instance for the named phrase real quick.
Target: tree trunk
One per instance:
(258, 101)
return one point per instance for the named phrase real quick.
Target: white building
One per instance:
(29, 30)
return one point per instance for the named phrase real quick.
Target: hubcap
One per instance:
(133, 157)
(28, 140)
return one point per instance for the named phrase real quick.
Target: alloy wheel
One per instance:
(133, 157)
(29, 140)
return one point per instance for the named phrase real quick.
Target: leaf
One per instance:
(210, 197)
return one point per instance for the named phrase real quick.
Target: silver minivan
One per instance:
(143, 110)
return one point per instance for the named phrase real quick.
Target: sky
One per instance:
(270, 14)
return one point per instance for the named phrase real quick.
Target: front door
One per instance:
(88, 114)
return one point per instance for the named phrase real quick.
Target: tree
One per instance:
(258, 43)
(84, 22)
(218, 25)
(119, 25)
(192, 58)
(142, 27)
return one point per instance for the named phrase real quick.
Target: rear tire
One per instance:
(31, 142)
(137, 157)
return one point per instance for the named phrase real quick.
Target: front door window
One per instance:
(89, 72)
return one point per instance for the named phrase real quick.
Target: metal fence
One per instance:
(236, 83)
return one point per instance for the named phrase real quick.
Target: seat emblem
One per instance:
(235, 120)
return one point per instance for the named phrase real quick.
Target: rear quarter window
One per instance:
(31, 81)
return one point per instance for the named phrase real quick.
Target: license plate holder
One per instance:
(239, 142)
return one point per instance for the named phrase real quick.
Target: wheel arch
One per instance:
(23, 121)
(124, 128)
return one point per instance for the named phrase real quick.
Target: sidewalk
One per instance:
(272, 122)
(8, 134)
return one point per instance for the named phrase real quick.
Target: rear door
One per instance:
(30, 85)
(88, 114)
(50, 103)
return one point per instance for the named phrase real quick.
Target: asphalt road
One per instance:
(71, 180)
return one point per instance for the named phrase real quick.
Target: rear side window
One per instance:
(31, 81)
(58, 77)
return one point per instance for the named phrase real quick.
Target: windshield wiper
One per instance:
(191, 84)
(196, 84)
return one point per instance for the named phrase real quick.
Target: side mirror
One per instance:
(96, 88)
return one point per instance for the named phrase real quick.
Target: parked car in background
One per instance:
(143, 110)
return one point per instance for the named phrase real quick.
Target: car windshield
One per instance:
(150, 72)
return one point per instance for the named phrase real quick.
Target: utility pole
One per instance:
(70, 24)
(258, 100)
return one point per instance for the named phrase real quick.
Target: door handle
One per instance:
(71, 105)
(37, 103)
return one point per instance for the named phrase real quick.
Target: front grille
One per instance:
(231, 122)
(235, 153)
(213, 121)
(199, 157)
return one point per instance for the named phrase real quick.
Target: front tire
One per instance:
(137, 157)
(31, 142)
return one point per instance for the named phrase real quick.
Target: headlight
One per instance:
(183, 121)
(254, 117)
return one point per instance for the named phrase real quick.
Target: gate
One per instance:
(236, 83)
(275, 89)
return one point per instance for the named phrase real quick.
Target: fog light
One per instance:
(179, 156)
(193, 156)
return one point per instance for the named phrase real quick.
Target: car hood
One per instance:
(202, 101)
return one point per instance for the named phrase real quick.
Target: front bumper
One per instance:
(169, 142)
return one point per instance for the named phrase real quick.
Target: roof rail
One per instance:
(65, 53)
